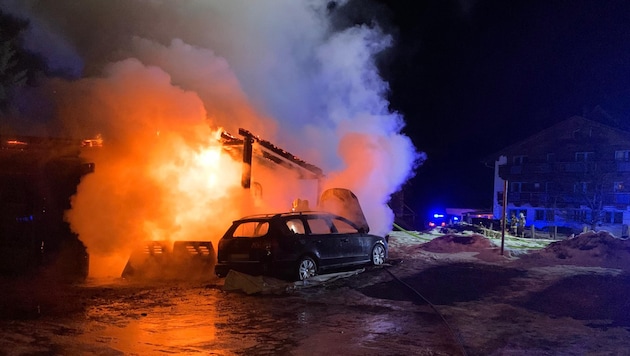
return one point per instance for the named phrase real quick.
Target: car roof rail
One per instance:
(288, 213)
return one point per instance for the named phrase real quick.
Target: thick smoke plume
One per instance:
(158, 80)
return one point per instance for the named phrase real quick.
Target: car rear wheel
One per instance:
(306, 268)
(378, 254)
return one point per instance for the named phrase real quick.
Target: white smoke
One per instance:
(275, 67)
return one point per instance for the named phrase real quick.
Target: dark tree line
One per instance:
(18, 67)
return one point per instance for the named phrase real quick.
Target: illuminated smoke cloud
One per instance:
(159, 174)
(277, 68)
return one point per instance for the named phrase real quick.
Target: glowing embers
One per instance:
(16, 143)
(93, 142)
(154, 248)
(195, 247)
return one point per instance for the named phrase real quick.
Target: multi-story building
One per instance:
(574, 174)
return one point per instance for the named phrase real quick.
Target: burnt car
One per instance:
(297, 245)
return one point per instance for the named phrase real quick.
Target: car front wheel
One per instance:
(378, 254)
(306, 268)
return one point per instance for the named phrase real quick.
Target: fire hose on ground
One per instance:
(406, 231)
(455, 336)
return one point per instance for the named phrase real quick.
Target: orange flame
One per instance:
(161, 188)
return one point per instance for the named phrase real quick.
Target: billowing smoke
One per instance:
(160, 78)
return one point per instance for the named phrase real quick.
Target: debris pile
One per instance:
(590, 249)
(458, 243)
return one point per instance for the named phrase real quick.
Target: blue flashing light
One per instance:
(437, 216)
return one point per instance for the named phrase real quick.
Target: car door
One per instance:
(356, 245)
(328, 245)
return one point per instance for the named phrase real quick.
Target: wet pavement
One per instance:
(477, 309)
(605, 299)
(199, 318)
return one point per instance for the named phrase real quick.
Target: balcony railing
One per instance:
(623, 166)
(533, 168)
(533, 199)
(616, 199)
(546, 199)
(575, 167)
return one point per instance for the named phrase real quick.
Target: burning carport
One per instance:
(266, 155)
(263, 166)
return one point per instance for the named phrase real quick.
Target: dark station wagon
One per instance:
(297, 245)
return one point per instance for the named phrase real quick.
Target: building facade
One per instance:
(574, 175)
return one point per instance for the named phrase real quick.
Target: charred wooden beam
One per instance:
(282, 155)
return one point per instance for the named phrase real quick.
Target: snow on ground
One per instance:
(541, 297)
(512, 243)
(592, 249)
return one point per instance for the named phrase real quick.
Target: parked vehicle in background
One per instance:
(297, 245)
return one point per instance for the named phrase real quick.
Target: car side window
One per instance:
(343, 227)
(296, 226)
(251, 229)
(319, 226)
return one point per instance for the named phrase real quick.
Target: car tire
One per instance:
(378, 255)
(306, 268)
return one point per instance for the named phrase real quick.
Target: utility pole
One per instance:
(504, 217)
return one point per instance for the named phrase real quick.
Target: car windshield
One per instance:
(319, 225)
(251, 229)
(344, 227)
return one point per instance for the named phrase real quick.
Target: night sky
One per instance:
(471, 77)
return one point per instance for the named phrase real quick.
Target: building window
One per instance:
(548, 187)
(519, 160)
(622, 155)
(516, 187)
(583, 133)
(607, 217)
(544, 215)
(579, 215)
(580, 187)
(613, 217)
(583, 156)
(618, 187)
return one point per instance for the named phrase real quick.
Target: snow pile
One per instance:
(589, 249)
(597, 249)
(410, 244)
(408, 238)
(406, 244)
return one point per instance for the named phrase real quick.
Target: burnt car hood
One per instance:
(343, 202)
